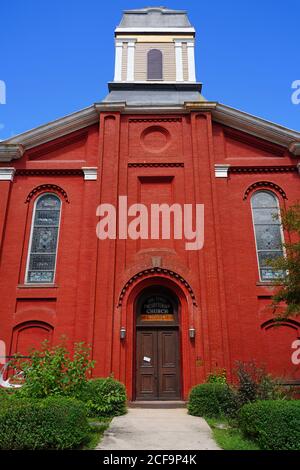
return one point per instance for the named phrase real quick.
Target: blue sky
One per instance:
(57, 56)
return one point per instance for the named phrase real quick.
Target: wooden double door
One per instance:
(157, 364)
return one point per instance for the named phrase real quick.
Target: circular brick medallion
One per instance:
(155, 139)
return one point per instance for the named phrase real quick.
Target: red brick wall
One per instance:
(150, 159)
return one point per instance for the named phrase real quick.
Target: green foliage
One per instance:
(289, 286)
(216, 398)
(5, 393)
(217, 377)
(212, 400)
(228, 435)
(255, 384)
(51, 423)
(97, 429)
(253, 412)
(274, 424)
(54, 371)
(104, 397)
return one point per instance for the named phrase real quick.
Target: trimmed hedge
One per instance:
(274, 424)
(5, 394)
(212, 400)
(104, 397)
(50, 423)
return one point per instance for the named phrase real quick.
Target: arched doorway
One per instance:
(157, 352)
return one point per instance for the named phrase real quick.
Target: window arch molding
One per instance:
(154, 64)
(268, 232)
(264, 185)
(48, 187)
(288, 322)
(43, 240)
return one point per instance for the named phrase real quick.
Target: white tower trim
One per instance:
(191, 61)
(130, 59)
(178, 60)
(118, 61)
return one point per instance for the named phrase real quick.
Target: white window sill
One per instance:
(37, 286)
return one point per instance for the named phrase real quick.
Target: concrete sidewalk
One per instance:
(151, 429)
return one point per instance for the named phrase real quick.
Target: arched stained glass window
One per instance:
(43, 241)
(154, 65)
(268, 232)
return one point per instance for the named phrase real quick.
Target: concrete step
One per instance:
(157, 404)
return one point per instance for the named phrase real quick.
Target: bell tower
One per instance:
(154, 58)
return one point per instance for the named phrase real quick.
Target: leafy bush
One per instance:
(255, 384)
(212, 400)
(51, 423)
(217, 377)
(274, 424)
(104, 397)
(4, 394)
(54, 371)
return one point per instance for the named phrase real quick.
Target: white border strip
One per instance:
(155, 30)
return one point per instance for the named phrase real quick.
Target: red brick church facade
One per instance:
(154, 139)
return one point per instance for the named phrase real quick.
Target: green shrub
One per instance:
(255, 384)
(212, 400)
(104, 397)
(52, 423)
(217, 377)
(5, 393)
(55, 371)
(274, 424)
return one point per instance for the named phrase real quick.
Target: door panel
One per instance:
(158, 371)
(146, 380)
(168, 364)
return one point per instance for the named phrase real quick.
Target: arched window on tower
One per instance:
(41, 261)
(268, 233)
(154, 65)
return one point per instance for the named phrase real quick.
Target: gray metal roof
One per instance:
(139, 94)
(155, 17)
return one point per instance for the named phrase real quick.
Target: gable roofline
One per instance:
(258, 127)
(14, 147)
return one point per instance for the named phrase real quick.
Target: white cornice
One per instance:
(117, 106)
(221, 170)
(155, 30)
(295, 148)
(258, 127)
(9, 152)
(90, 173)
(200, 105)
(123, 108)
(55, 129)
(7, 174)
